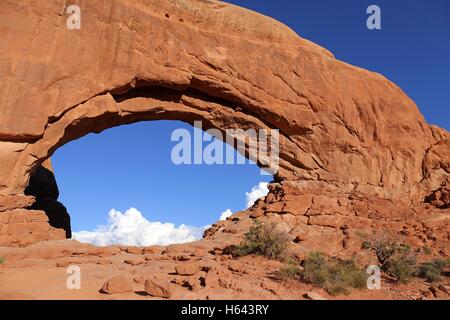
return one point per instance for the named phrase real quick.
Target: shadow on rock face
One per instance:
(42, 184)
(44, 188)
(56, 212)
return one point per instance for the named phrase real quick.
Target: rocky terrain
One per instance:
(336, 224)
(357, 157)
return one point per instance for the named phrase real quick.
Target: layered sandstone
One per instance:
(211, 61)
(354, 144)
(337, 223)
(356, 155)
(19, 228)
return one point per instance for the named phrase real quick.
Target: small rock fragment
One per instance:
(158, 288)
(313, 296)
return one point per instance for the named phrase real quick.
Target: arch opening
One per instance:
(144, 101)
(123, 160)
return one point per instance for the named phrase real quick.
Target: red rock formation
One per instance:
(206, 60)
(344, 130)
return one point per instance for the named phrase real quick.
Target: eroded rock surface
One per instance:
(336, 222)
(356, 155)
(215, 62)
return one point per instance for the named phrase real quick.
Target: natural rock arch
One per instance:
(340, 126)
(144, 103)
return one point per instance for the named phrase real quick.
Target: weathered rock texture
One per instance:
(340, 126)
(24, 227)
(43, 187)
(106, 275)
(337, 223)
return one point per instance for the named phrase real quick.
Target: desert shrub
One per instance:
(427, 250)
(401, 265)
(315, 269)
(396, 259)
(2, 260)
(262, 239)
(335, 276)
(431, 271)
(290, 271)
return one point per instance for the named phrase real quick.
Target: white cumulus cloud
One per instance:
(224, 215)
(257, 192)
(132, 229)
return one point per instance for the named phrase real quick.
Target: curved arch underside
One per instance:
(340, 126)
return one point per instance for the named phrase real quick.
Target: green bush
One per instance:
(290, 271)
(335, 276)
(262, 239)
(396, 259)
(431, 271)
(2, 260)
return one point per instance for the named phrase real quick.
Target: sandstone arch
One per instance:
(340, 126)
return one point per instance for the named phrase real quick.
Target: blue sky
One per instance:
(130, 166)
